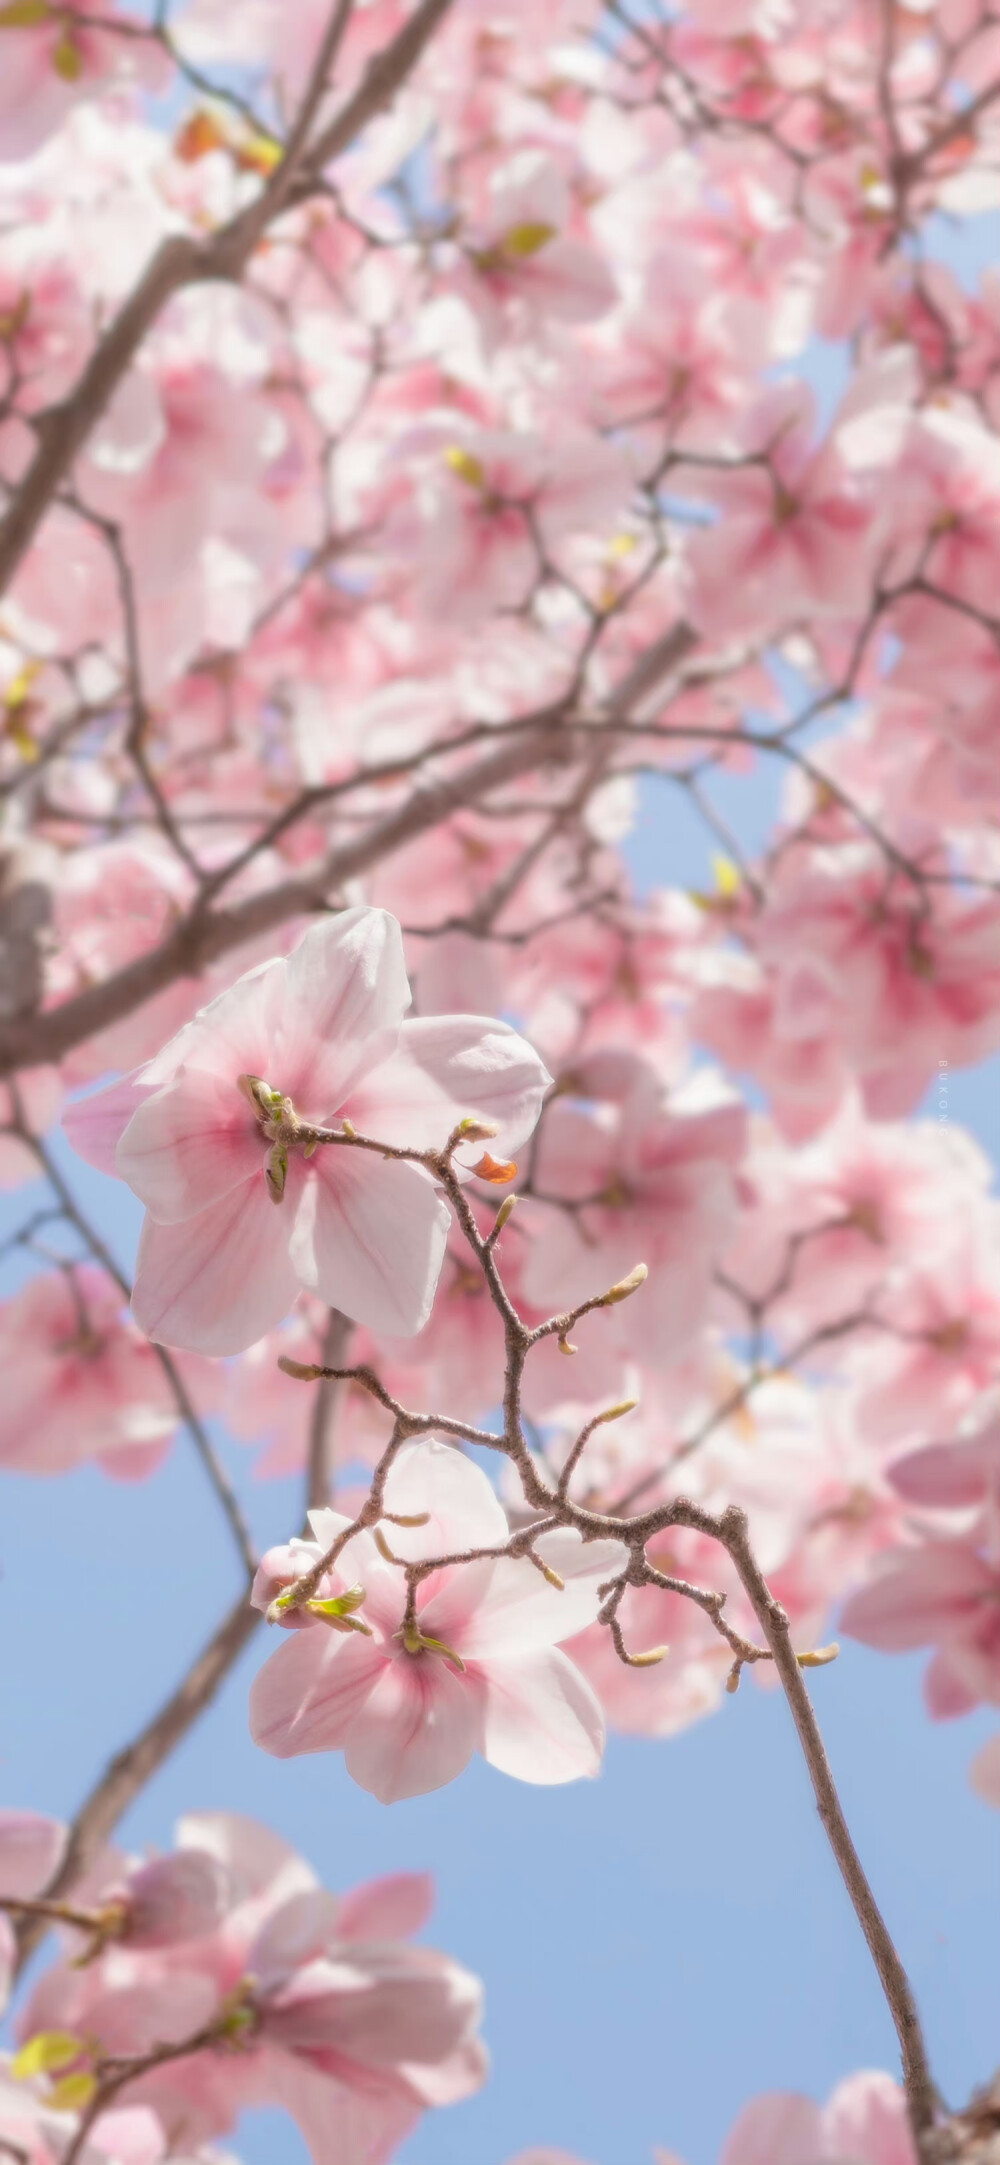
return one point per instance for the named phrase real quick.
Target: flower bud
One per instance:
(614, 1413)
(504, 1213)
(303, 1371)
(625, 1286)
(819, 1656)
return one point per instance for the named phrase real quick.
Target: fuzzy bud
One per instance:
(625, 1286)
(819, 1656)
(614, 1413)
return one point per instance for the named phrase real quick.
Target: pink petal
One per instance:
(131, 2135)
(234, 1035)
(179, 1897)
(923, 1592)
(543, 1722)
(189, 1144)
(307, 1696)
(519, 1610)
(465, 1511)
(218, 1282)
(342, 2126)
(31, 1848)
(347, 993)
(867, 2118)
(418, 1729)
(378, 2004)
(253, 1855)
(460, 2075)
(447, 1066)
(777, 2129)
(984, 1773)
(371, 1240)
(295, 1933)
(387, 1908)
(947, 1693)
(950, 1474)
(96, 1124)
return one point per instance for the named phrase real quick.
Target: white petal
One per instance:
(465, 1512)
(347, 993)
(543, 1722)
(520, 1611)
(218, 1282)
(448, 1066)
(372, 1239)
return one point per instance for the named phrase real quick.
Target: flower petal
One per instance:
(96, 1124)
(446, 1067)
(306, 1697)
(418, 1729)
(387, 1908)
(216, 1283)
(371, 1239)
(464, 1511)
(776, 2129)
(520, 1612)
(347, 992)
(543, 1722)
(188, 1145)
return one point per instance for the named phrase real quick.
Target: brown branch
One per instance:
(217, 1475)
(132, 1767)
(319, 1475)
(204, 936)
(895, 1984)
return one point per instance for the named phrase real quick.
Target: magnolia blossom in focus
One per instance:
(479, 1667)
(242, 1211)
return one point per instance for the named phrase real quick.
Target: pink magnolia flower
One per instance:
(81, 1382)
(241, 1212)
(479, 1666)
(944, 1594)
(522, 258)
(353, 2032)
(792, 533)
(640, 1176)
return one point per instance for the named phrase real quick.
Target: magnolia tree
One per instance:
(406, 449)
